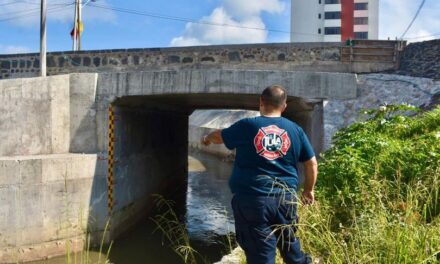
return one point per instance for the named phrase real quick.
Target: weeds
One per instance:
(173, 230)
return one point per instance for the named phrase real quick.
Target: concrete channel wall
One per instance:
(47, 195)
(47, 201)
(35, 114)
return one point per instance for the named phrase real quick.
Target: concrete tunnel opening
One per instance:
(151, 146)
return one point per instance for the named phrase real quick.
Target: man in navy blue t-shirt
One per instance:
(264, 180)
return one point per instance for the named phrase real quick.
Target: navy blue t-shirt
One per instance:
(267, 152)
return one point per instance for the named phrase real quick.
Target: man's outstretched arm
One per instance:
(214, 137)
(311, 174)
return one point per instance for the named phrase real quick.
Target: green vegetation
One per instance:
(378, 192)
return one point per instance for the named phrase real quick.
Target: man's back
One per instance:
(268, 149)
(267, 152)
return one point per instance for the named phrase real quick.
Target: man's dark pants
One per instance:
(258, 230)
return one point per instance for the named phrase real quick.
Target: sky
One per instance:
(167, 23)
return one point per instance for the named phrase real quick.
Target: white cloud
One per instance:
(27, 13)
(395, 16)
(11, 49)
(242, 8)
(241, 18)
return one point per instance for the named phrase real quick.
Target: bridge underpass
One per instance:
(150, 145)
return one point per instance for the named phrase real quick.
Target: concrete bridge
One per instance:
(80, 149)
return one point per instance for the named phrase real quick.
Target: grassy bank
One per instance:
(379, 192)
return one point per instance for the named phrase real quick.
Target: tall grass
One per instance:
(381, 229)
(175, 232)
(84, 256)
(378, 192)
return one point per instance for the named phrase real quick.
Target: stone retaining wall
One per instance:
(421, 59)
(287, 56)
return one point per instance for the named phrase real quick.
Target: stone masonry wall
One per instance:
(286, 56)
(421, 59)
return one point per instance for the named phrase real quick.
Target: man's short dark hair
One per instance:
(274, 96)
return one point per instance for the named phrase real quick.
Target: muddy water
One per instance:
(209, 220)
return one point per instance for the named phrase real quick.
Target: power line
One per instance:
(21, 12)
(412, 21)
(190, 20)
(31, 10)
(34, 12)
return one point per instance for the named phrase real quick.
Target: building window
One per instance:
(332, 31)
(361, 20)
(332, 15)
(319, 31)
(361, 35)
(319, 15)
(329, 2)
(361, 6)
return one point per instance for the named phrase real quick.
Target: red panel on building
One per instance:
(347, 19)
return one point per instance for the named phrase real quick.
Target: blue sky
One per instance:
(107, 29)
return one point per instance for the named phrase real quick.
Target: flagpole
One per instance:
(43, 39)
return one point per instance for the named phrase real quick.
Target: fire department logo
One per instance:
(272, 142)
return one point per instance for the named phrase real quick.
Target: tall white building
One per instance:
(334, 20)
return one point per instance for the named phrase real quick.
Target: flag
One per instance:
(74, 33)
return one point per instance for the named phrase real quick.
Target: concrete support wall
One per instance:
(34, 116)
(307, 85)
(48, 196)
(151, 158)
(83, 113)
(46, 200)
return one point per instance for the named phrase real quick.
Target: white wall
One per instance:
(305, 22)
(373, 19)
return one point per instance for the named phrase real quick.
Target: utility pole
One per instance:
(43, 39)
(79, 24)
(75, 26)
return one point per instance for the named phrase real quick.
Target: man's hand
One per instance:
(214, 137)
(311, 173)
(205, 141)
(308, 197)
